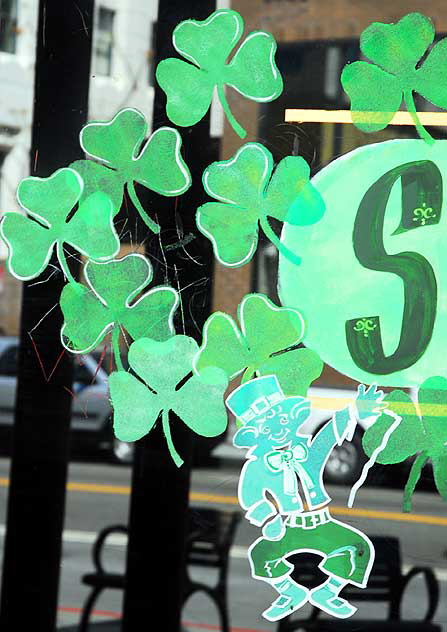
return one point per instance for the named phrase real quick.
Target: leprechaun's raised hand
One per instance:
(377, 89)
(164, 382)
(369, 401)
(248, 193)
(207, 45)
(117, 144)
(48, 203)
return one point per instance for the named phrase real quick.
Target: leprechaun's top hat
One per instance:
(251, 400)
(254, 398)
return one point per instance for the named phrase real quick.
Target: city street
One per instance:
(98, 496)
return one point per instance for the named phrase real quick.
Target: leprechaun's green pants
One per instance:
(348, 554)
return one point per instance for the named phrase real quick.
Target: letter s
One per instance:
(421, 206)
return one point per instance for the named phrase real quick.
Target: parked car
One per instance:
(91, 418)
(346, 461)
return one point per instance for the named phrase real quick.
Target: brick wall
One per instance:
(303, 20)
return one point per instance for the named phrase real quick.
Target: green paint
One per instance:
(248, 193)
(260, 346)
(422, 433)
(118, 145)
(50, 221)
(163, 382)
(207, 45)
(376, 89)
(109, 303)
(269, 558)
(368, 263)
(419, 181)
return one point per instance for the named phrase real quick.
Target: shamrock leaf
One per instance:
(260, 346)
(248, 192)
(116, 144)
(49, 203)
(422, 433)
(376, 91)
(110, 302)
(163, 367)
(189, 87)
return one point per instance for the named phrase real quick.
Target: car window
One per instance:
(81, 373)
(9, 361)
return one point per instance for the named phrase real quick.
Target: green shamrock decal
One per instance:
(207, 44)
(164, 381)
(261, 346)
(423, 434)
(116, 144)
(248, 192)
(112, 301)
(376, 89)
(50, 222)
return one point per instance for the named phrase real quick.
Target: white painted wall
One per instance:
(16, 100)
(128, 84)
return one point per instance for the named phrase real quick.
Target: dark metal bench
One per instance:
(386, 584)
(211, 534)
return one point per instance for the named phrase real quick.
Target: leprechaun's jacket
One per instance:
(306, 460)
(288, 473)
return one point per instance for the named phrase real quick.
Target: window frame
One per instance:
(103, 43)
(8, 26)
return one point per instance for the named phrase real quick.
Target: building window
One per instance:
(103, 47)
(8, 25)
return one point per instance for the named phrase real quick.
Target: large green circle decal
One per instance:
(373, 278)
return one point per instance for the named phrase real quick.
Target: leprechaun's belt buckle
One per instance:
(314, 519)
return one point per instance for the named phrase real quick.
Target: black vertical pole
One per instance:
(42, 421)
(158, 513)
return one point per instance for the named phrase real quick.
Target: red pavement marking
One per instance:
(189, 624)
(96, 613)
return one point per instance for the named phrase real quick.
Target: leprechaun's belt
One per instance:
(308, 519)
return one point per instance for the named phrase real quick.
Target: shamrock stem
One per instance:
(116, 347)
(409, 102)
(413, 478)
(153, 226)
(64, 265)
(167, 430)
(268, 230)
(226, 108)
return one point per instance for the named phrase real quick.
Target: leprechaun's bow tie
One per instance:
(291, 463)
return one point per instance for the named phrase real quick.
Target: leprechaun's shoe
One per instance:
(326, 598)
(291, 598)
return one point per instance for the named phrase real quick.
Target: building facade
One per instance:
(315, 39)
(121, 75)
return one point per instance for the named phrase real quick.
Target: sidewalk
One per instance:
(103, 626)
